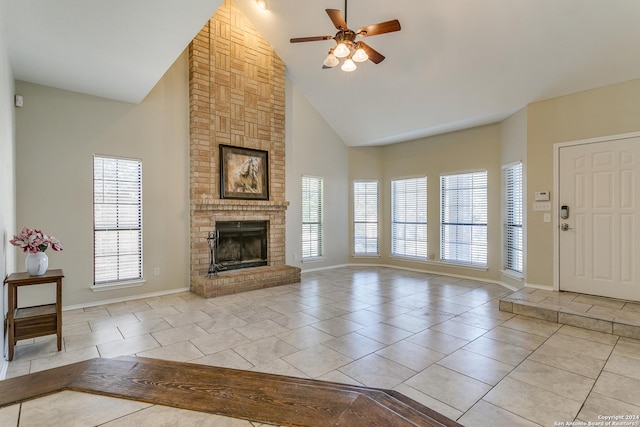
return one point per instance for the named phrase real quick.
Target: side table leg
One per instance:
(11, 342)
(59, 312)
(10, 323)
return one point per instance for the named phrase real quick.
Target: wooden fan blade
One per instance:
(374, 56)
(310, 39)
(336, 17)
(381, 28)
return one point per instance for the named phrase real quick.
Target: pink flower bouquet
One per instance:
(33, 240)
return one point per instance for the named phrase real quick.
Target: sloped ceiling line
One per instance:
(455, 64)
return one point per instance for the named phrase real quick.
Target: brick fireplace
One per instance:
(236, 97)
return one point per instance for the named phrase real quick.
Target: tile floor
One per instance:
(84, 409)
(439, 340)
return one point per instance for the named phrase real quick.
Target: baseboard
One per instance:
(537, 286)
(331, 267)
(417, 270)
(123, 299)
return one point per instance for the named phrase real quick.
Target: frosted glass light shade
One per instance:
(348, 65)
(341, 51)
(360, 55)
(331, 60)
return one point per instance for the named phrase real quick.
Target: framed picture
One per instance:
(244, 173)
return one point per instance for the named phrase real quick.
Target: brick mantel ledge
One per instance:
(241, 205)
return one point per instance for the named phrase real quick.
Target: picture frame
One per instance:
(244, 173)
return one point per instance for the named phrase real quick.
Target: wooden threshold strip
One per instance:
(254, 396)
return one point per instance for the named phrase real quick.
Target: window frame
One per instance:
(479, 209)
(509, 200)
(317, 251)
(417, 227)
(100, 227)
(366, 220)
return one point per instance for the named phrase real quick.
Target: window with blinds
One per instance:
(311, 217)
(513, 218)
(409, 217)
(117, 219)
(463, 217)
(365, 217)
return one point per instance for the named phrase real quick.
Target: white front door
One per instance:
(599, 236)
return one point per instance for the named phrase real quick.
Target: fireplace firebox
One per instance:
(241, 244)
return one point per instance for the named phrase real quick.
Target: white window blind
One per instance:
(311, 216)
(513, 218)
(365, 217)
(409, 217)
(464, 218)
(117, 214)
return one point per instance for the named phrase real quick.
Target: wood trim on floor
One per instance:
(254, 396)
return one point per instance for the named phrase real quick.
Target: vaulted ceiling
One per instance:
(455, 63)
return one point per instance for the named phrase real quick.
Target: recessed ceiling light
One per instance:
(262, 4)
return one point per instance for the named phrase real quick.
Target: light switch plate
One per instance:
(542, 206)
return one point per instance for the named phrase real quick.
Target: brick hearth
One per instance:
(236, 96)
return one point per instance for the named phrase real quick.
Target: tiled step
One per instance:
(613, 316)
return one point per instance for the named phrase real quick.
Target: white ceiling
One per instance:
(455, 63)
(116, 49)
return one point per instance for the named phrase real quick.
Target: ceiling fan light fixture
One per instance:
(347, 46)
(349, 65)
(341, 50)
(360, 55)
(262, 4)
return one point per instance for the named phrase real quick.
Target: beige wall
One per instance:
(609, 110)
(313, 148)
(57, 134)
(513, 135)
(7, 170)
(464, 151)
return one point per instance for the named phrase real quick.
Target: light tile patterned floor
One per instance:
(439, 340)
(70, 408)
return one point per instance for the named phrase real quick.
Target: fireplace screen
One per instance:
(241, 244)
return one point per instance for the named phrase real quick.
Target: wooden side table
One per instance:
(37, 321)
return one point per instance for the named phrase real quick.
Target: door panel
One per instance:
(602, 247)
(599, 244)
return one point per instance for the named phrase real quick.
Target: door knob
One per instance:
(565, 227)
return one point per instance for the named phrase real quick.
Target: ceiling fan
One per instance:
(346, 44)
